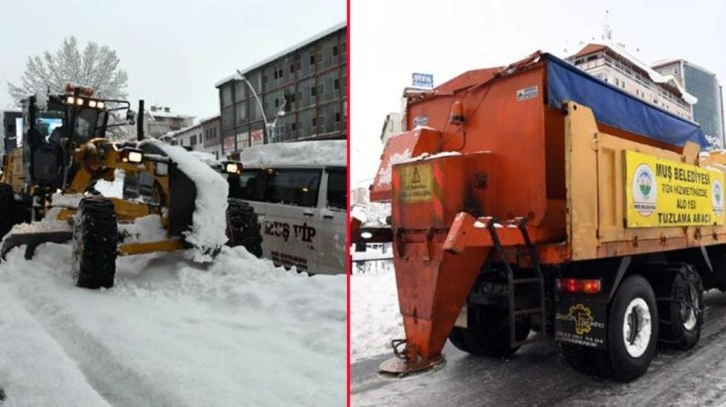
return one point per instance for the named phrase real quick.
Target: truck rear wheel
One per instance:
(243, 228)
(632, 335)
(487, 333)
(95, 239)
(681, 310)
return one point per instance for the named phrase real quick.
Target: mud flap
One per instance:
(581, 320)
(32, 240)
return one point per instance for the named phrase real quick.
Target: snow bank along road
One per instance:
(537, 374)
(170, 333)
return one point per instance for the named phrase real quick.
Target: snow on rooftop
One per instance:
(235, 76)
(209, 222)
(161, 113)
(652, 74)
(319, 152)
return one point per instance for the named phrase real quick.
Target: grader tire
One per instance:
(243, 228)
(95, 239)
(8, 211)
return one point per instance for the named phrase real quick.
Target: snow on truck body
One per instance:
(299, 193)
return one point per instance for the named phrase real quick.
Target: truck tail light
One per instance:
(574, 285)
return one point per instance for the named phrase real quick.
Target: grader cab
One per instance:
(49, 182)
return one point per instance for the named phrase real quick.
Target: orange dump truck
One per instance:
(535, 201)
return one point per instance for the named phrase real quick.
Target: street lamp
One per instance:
(270, 126)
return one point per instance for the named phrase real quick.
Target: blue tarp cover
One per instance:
(616, 108)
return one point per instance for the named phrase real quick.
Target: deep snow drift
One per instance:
(375, 318)
(235, 332)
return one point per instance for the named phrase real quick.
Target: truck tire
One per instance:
(487, 333)
(681, 308)
(629, 352)
(8, 213)
(95, 239)
(456, 337)
(632, 329)
(243, 228)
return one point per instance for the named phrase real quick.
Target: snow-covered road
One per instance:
(170, 333)
(536, 375)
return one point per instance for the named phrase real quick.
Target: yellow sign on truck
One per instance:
(416, 183)
(661, 192)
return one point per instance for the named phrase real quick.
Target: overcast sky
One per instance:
(392, 39)
(173, 51)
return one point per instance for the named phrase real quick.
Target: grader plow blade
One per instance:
(32, 240)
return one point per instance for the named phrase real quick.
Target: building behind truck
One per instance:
(704, 85)
(611, 63)
(307, 82)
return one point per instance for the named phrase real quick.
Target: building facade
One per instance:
(212, 134)
(303, 90)
(391, 126)
(703, 84)
(203, 136)
(613, 65)
(163, 121)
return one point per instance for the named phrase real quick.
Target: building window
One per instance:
(293, 126)
(336, 84)
(313, 91)
(315, 122)
(193, 141)
(335, 50)
(279, 73)
(312, 59)
(337, 116)
(292, 68)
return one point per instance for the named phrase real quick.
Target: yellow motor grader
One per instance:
(52, 177)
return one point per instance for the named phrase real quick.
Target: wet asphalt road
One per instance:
(538, 375)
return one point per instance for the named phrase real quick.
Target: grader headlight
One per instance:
(131, 155)
(231, 167)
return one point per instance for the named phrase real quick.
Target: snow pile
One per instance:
(66, 200)
(209, 222)
(114, 189)
(372, 213)
(359, 213)
(48, 224)
(237, 332)
(145, 229)
(375, 318)
(321, 152)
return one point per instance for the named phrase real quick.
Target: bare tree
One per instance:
(96, 67)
